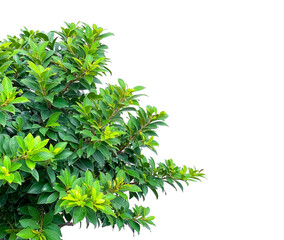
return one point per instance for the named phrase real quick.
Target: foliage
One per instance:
(68, 150)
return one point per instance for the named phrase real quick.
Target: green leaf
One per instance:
(132, 173)
(89, 79)
(29, 140)
(52, 198)
(7, 86)
(3, 233)
(20, 100)
(63, 155)
(89, 178)
(29, 223)
(48, 218)
(51, 174)
(36, 188)
(30, 164)
(92, 216)
(7, 162)
(15, 166)
(51, 235)
(53, 118)
(26, 234)
(43, 130)
(138, 88)
(134, 225)
(9, 108)
(67, 137)
(108, 210)
(42, 198)
(21, 143)
(130, 188)
(2, 119)
(79, 214)
(122, 83)
(59, 103)
(34, 213)
(90, 150)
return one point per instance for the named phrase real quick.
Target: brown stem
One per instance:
(66, 224)
(41, 219)
(69, 83)
(133, 137)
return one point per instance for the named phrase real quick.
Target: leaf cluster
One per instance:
(70, 150)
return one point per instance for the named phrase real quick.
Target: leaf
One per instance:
(132, 173)
(3, 232)
(29, 140)
(42, 198)
(67, 137)
(138, 88)
(134, 225)
(52, 198)
(48, 218)
(7, 163)
(21, 143)
(34, 212)
(9, 108)
(53, 118)
(63, 155)
(89, 79)
(36, 188)
(59, 103)
(51, 235)
(92, 216)
(15, 166)
(90, 151)
(130, 188)
(120, 174)
(2, 119)
(26, 234)
(29, 223)
(107, 210)
(4, 66)
(7, 86)
(89, 178)
(122, 83)
(104, 150)
(30, 164)
(43, 130)
(20, 100)
(51, 174)
(79, 214)
(105, 35)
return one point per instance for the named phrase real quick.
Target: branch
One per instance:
(66, 224)
(69, 83)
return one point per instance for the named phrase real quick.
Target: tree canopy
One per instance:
(71, 147)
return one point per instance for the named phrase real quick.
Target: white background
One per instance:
(216, 67)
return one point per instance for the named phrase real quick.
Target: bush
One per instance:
(70, 151)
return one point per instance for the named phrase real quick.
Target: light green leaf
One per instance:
(29, 140)
(20, 100)
(130, 188)
(53, 118)
(30, 164)
(21, 143)
(26, 234)
(7, 86)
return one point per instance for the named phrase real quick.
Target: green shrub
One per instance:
(68, 150)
